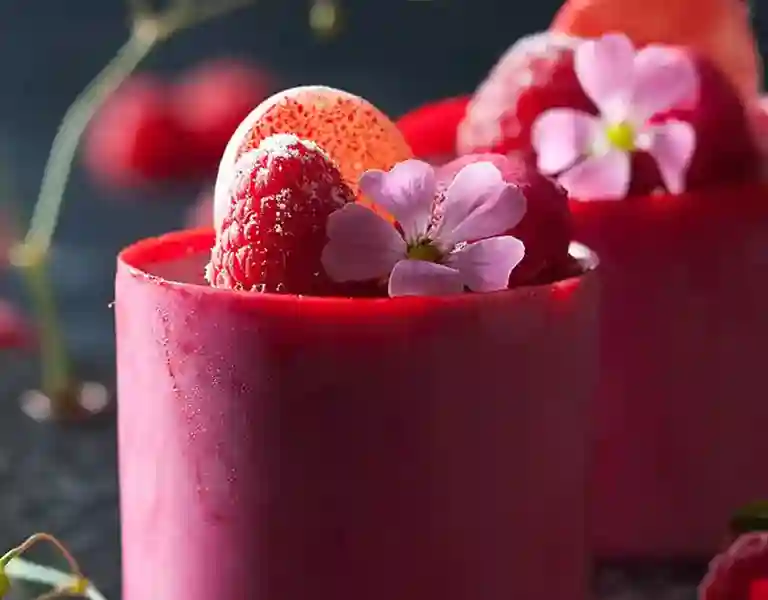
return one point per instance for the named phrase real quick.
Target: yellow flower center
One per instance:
(424, 250)
(621, 136)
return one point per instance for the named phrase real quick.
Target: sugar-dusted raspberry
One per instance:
(273, 234)
(534, 75)
(354, 133)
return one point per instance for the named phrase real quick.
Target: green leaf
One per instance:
(752, 517)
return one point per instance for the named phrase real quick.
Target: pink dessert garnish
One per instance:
(354, 133)
(546, 229)
(272, 236)
(592, 155)
(599, 115)
(431, 251)
(717, 29)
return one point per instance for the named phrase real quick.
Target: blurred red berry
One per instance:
(136, 138)
(212, 99)
(15, 330)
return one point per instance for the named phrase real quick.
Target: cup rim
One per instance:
(136, 259)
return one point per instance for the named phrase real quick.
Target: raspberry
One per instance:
(534, 75)
(431, 129)
(274, 232)
(210, 102)
(546, 228)
(732, 573)
(725, 146)
(136, 139)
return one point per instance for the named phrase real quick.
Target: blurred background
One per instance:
(396, 53)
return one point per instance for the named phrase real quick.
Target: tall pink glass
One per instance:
(281, 448)
(681, 414)
(680, 435)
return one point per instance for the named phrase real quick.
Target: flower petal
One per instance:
(361, 245)
(406, 192)
(665, 77)
(604, 69)
(422, 278)
(672, 145)
(478, 204)
(560, 137)
(485, 266)
(604, 177)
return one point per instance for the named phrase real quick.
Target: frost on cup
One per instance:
(351, 391)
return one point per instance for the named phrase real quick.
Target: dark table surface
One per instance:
(63, 480)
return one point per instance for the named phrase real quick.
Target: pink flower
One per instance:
(592, 154)
(430, 253)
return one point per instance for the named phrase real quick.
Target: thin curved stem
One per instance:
(65, 144)
(24, 570)
(45, 537)
(31, 256)
(185, 15)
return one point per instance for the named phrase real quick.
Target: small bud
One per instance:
(79, 587)
(324, 18)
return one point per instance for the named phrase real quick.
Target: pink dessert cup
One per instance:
(281, 448)
(681, 414)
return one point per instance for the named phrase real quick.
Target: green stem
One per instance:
(24, 570)
(54, 359)
(65, 144)
(32, 255)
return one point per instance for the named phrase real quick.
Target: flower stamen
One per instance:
(622, 136)
(424, 250)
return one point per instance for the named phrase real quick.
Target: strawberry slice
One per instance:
(273, 234)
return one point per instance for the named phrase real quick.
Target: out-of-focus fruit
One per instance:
(212, 99)
(136, 138)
